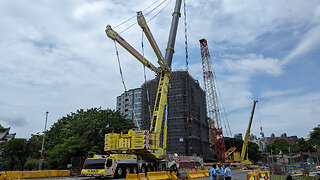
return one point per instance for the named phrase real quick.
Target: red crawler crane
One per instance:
(216, 134)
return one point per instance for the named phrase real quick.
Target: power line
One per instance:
(160, 10)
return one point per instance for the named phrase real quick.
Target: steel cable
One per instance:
(185, 33)
(124, 85)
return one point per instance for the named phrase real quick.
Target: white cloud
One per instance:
(292, 114)
(252, 64)
(56, 57)
(276, 93)
(309, 41)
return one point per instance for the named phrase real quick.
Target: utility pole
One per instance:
(42, 147)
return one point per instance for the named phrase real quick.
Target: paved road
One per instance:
(236, 175)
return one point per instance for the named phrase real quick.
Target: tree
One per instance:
(34, 145)
(315, 139)
(253, 149)
(253, 152)
(302, 146)
(81, 133)
(279, 145)
(15, 149)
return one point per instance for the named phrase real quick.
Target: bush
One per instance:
(32, 164)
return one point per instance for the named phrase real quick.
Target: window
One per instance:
(109, 162)
(95, 164)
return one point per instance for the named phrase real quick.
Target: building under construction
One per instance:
(188, 131)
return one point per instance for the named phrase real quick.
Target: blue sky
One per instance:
(56, 57)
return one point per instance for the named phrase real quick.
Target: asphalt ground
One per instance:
(237, 174)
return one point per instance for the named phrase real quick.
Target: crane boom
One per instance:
(143, 24)
(141, 141)
(116, 37)
(245, 142)
(216, 133)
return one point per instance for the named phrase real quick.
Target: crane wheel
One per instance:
(119, 172)
(127, 170)
(135, 170)
(143, 168)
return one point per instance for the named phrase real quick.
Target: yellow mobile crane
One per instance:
(244, 151)
(140, 150)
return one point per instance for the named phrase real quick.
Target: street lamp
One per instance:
(42, 147)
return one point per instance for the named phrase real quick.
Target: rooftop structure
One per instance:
(5, 135)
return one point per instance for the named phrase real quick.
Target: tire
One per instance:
(119, 172)
(135, 170)
(143, 168)
(149, 168)
(128, 170)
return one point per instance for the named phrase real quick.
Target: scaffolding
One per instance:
(188, 131)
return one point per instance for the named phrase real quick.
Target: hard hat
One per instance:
(226, 164)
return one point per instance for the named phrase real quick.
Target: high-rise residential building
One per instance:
(135, 109)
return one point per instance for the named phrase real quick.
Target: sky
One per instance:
(56, 57)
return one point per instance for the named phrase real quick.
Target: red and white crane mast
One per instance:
(216, 134)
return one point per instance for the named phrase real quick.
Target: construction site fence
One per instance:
(33, 174)
(158, 175)
(307, 163)
(161, 175)
(283, 177)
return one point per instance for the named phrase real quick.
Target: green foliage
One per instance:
(302, 146)
(315, 139)
(81, 133)
(15, 150)
(253, 152)
(279, 145)
(253, 149)
(32, 164)
(34, 145)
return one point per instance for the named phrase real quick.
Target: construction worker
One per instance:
(227, 172)
(212, 172)
(219, 172)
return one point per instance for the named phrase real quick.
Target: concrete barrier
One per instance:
(131, 176)
(197, 174)
(158, 175)
(142, 176)
(33, 174)
(2, 174)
